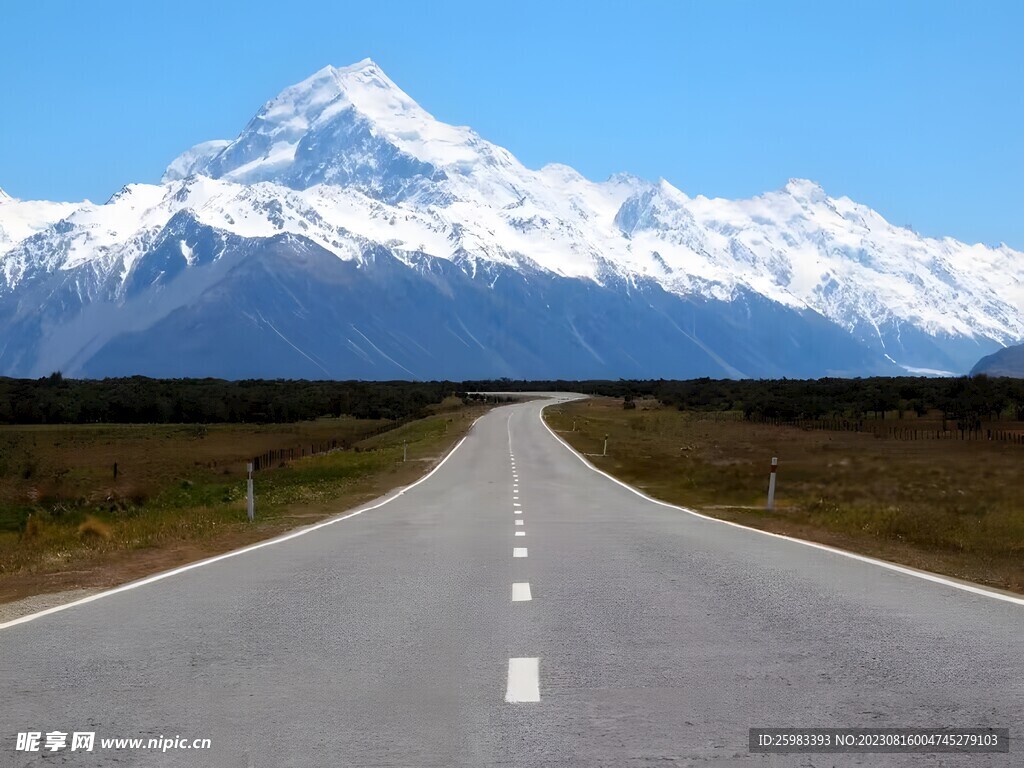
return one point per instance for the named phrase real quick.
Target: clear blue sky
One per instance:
(914, 108)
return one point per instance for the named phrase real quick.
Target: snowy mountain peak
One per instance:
(366, 74)
(673, 193)
(347, 126)
(373, 94)
(344, 180)
(330, 70)
(805, 189)
(192, 160)
(367, 68)
(362, 85)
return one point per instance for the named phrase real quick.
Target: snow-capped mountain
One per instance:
(19, 219)
(347, 233)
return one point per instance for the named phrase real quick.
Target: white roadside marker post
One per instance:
(605, 453)
(771, 483)
(250, 504)
(405, 450)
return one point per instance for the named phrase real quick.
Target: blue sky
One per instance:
(914, 108)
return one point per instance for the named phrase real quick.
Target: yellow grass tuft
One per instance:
(92, 528)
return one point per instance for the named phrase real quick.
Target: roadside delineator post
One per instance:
(605, 453)
(771, 483)
(250, 504)
(405, 450)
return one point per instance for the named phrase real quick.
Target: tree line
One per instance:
(57, 400)
(140, 400)
(966, 400)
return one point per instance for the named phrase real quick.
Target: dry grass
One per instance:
(180, 491)
(71, 464)
(94, 529)
(948, 506)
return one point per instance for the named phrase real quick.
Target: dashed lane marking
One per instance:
(523, 680)
(521, 592)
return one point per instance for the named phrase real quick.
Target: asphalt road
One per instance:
(391, 638)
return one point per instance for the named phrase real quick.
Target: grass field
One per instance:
(179, 494)
(949, 506)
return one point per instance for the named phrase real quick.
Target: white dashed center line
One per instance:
(523, 680)
(521, 592)
(523, 673)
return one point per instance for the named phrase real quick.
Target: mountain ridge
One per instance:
(1008, 361)
(347, 162)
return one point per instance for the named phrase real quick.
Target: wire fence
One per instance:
(994, 433)
(277, 457)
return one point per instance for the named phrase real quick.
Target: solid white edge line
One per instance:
(924, 575)
(234, 553)
(521, 592)
(523, 680)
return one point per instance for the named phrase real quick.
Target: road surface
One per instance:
(403, 636)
